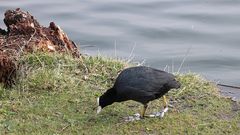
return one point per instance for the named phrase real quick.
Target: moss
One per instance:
(56, 94)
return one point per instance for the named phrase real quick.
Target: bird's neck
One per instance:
(108, 98)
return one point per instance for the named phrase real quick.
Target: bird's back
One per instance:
(142, 84)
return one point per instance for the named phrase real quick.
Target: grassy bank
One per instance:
(56, 94)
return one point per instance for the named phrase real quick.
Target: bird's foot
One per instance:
(170, 106)
(163, 112)
(159, 114)
(136, 116)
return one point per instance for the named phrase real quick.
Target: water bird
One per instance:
(142, 84)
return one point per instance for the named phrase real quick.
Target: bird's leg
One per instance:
(165, 103)
(143, 111)
(165, 106)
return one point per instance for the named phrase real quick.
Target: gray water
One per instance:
(159, 32)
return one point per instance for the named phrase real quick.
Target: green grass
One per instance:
(56, 94)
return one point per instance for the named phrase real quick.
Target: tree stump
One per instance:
(24, 34)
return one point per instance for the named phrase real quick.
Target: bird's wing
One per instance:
(133, 93)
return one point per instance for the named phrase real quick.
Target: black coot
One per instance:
(141, 84)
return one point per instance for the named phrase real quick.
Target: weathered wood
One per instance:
(25, 34)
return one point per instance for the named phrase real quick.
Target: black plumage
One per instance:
(141, 84)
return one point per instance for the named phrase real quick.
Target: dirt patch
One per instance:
(235, 106)
(232, 114)
(25, 34)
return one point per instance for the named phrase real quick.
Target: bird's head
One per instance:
(106, 99)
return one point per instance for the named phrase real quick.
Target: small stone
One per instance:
(137, 115)
(85, 77)
(138, 118)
